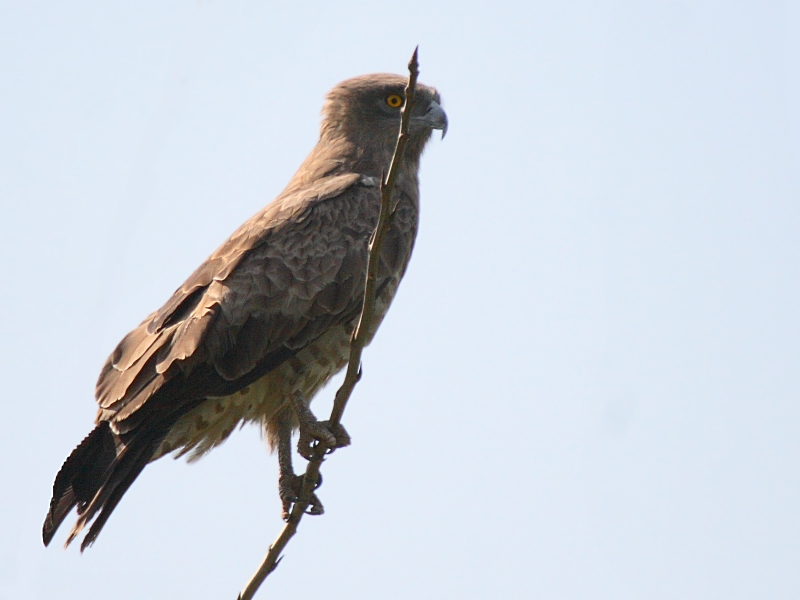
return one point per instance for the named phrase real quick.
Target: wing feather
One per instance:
(280, 281)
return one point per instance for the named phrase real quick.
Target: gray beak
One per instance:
(434, 117)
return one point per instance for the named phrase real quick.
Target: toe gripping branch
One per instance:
(314, 432)
(317, 438)
(290, 487)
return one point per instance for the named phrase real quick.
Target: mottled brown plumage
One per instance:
(265, 321)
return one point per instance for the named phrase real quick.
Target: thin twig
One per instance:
(357, 342)
(361, 332)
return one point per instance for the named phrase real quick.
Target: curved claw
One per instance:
(290, 488)
(340, 433)
(315, 507)
(321, 432)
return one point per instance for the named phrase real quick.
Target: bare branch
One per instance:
(360, 334)
(357, 342)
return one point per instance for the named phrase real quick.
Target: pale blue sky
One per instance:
(588, 385)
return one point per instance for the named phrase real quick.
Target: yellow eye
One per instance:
(394, 100)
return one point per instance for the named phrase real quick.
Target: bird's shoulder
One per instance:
(283, 226)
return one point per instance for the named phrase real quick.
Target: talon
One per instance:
(313, 432)
(311, 435)
(315, 507)
(341, 435)
(320, 432)
(289, 488)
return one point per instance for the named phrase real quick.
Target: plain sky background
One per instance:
(587, 387)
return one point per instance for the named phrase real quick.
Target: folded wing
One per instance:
(284, 278)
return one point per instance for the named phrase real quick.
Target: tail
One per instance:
(94, 478)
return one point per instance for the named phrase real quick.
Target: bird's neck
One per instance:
(337, 155)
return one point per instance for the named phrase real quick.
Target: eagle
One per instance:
(265, 322)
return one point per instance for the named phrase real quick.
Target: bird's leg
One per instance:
(313, 431)
(289, 484)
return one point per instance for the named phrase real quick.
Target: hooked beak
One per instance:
(434, 117)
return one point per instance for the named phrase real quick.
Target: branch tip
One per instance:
(413, 64)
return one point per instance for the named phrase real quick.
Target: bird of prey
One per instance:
(265, 321)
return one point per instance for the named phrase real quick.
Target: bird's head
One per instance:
(366, 112)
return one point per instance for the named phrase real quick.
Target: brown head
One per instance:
(360, 123)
